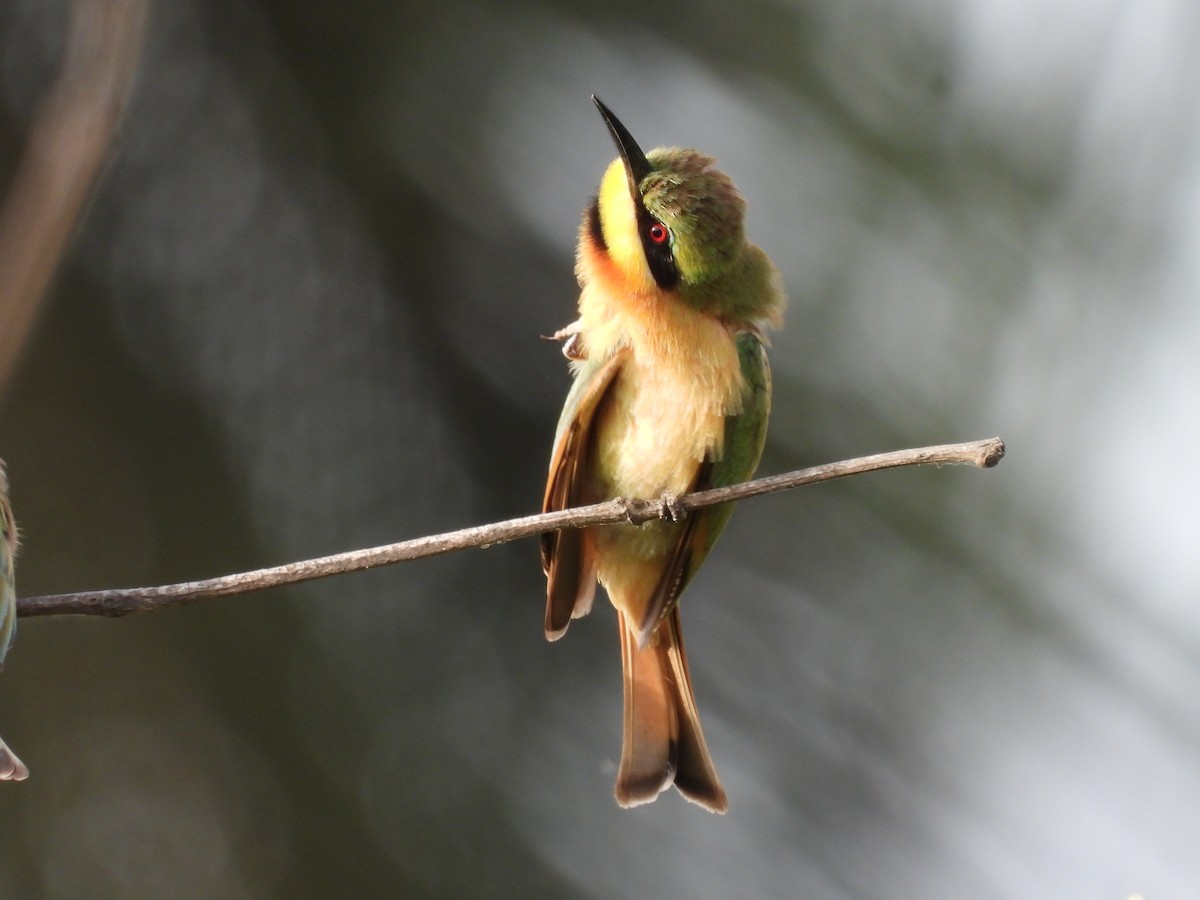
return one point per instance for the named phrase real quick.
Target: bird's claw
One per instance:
(572, 340)
(670, 509)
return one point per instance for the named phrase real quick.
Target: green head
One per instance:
(670, 219)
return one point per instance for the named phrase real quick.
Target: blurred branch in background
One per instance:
(120, 602)
(68, 143)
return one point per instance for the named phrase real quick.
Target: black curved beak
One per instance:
(636, 165)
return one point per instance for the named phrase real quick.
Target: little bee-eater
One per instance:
(671, 395)
(11, 768)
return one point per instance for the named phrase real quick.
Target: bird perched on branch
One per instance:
(11, 768)
(671, 395)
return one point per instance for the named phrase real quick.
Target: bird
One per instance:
(671, 393)
(11, 768)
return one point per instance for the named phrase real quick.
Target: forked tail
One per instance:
(663, 743)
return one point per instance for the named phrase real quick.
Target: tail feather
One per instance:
(663, 743)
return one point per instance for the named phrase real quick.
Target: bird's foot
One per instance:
(572, 340)
(670, 509)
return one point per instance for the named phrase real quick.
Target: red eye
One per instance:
(658, 233)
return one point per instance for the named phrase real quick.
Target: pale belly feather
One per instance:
(663, 415)
(662, 418)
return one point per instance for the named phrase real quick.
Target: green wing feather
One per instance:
(745, 436)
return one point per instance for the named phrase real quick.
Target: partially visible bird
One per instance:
(11, 768)
(671, 395)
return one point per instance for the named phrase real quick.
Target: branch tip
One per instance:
(991, 453)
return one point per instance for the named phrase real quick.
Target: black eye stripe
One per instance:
(659, 257)
(594, 227)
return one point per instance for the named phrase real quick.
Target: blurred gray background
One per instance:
(301, 316)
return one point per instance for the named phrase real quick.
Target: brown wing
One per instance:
(566, 555)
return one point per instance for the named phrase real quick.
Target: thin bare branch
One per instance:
(122, 601)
